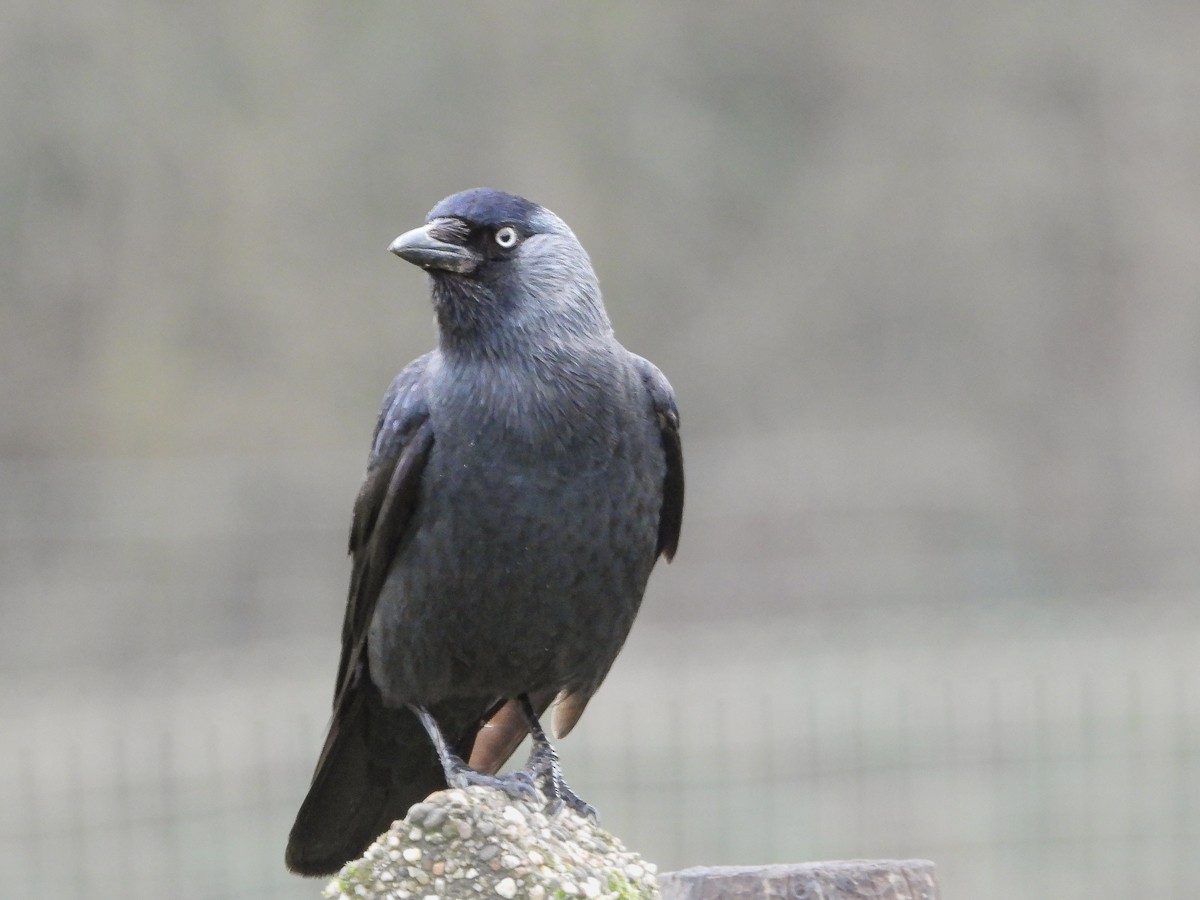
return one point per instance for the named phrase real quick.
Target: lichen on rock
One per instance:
(478, 842)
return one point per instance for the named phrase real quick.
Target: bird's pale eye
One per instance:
(506, 237)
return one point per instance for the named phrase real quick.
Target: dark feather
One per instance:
(667, 413)
(384, 507)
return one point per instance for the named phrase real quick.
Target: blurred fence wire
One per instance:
(170, 637)
(947, 607)
(1055, 773)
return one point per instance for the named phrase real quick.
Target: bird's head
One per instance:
(500, 264)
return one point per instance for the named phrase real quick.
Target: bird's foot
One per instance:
(517, 785)
(543, 764)
(567, 797)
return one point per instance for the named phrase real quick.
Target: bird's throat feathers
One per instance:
(525, 342)
(520, 313)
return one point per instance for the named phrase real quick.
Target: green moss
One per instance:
(352, 874)
(619, 884)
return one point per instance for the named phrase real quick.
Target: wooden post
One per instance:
(856, 879)
(480, 843)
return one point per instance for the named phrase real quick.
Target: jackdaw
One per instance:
(524, 477)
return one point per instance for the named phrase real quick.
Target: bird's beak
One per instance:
(421, 248)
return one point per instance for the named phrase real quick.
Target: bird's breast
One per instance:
(534, 534)
(530, 414)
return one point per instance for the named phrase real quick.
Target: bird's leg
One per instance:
(543, 764)
(518, 785)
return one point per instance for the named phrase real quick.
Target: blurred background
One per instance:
(926, 280)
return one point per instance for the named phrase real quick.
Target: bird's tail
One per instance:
(376, 763)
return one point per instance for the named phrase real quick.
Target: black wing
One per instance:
(569, 706)
(384, 508)
(670, 519)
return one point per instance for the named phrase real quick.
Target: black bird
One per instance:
(524, 477)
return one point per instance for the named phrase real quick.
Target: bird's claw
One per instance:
(568, 798)
(583, 808)
(517, 785)
(543, 764)
(521, 776)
